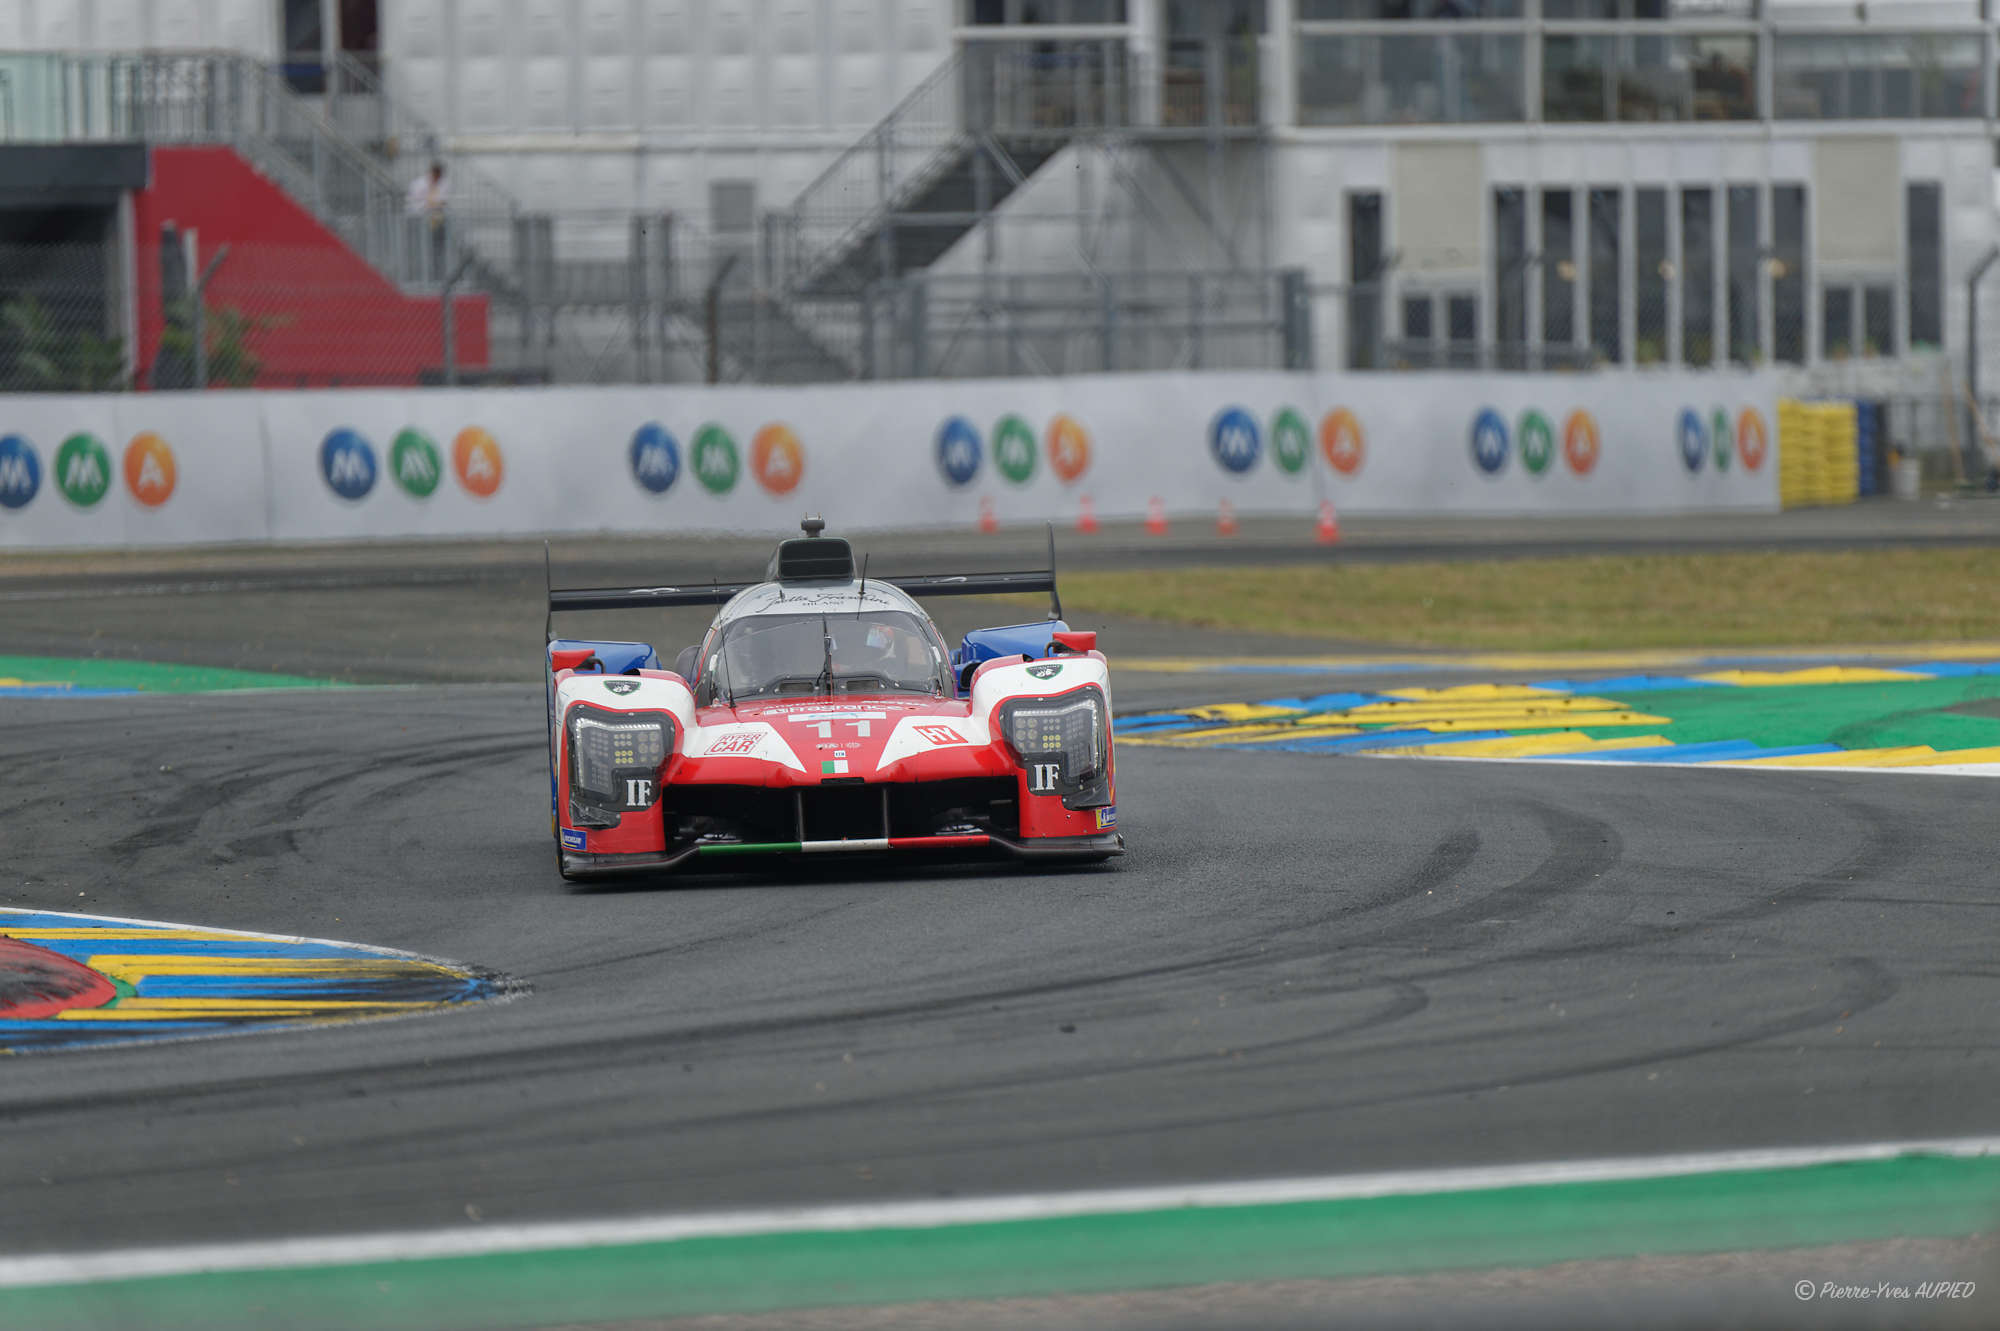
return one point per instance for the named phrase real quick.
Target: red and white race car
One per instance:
(823, 712)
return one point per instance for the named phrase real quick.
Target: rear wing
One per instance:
(717, 593)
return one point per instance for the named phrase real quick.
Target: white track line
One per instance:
(470, 1241)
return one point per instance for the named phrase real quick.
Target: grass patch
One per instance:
(1586, 602)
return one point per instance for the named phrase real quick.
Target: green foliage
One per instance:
(228, 333)
(47, 359)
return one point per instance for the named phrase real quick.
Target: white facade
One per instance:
(131, 25)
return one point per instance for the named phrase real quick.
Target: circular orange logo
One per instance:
(1068, 445)
(1340, 439)
(1580, 442)
(1752, 439)
(777, 459)
(475, 456)
(150, 473)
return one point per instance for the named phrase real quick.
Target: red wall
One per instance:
(324, 316)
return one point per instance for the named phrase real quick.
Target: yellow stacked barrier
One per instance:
(1819, 459)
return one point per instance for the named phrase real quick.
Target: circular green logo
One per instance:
(1014, 449)
(1538, 441)
(1291, 441)
(714, 459)
(83, 470)
(1724, 438)
(414, 462)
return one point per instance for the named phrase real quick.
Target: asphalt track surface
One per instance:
(1306, 965)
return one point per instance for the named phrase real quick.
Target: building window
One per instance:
(984, 13)
(1697, 277)
(1392, 11)
(1604, 77)
(1789, 279)
(1836, 336)
(1364, 276)
(1745, 303)
(1510, 271)
(1421, 78)
(1606, 253)
(1878, 320)
(1461, 330)
(1652, 271)
(1875, 76)
(1417, 318)
(1558, 268)
(1923, 213)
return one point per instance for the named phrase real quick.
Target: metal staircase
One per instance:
(946, 157)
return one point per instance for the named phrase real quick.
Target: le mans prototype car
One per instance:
(823, 712)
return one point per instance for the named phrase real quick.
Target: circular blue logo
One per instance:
(1489, 441)
(348, 463)
(958, 450)
(1693, 437)
(656, 458)
(20, 471)
(1234, 440)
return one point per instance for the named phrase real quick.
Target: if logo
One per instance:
(638, 792)
(1044, 777)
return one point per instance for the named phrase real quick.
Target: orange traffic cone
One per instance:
(1225, 520)
(1086, 517)
(1327, 532)
(1156, 516)
(987, 522)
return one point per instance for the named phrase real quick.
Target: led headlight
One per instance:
(1062, 743)
(614, 762)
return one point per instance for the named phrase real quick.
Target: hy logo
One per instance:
(776, 459)
(1014, 449)
(1693, 437)
(958, 451)
(20, 471)
(1234, 441)
(1489, 441)
(1341, 440)
(656, 458)
(83, 470)
(714, 459)
(414, 463)
(1069, 448)
(1753, 440)
(150, 473)
(475, 457)
(347, 462)
(1581, 443)
(1291, 441)
(1538, 441)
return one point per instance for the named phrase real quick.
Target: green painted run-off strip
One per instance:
(142, 676)
(1906, 1197)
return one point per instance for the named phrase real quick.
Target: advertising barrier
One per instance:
(175, 469)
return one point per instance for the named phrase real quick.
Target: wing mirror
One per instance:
(574, 658)
(1069, 642)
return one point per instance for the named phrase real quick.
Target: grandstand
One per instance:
(788, 190)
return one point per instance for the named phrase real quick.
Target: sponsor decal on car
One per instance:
(572, 839)
(736, 743)
(833, 767)
(1107, 816)
(1045, 671)
(621, 687)
(941, 735)
(1044, 778)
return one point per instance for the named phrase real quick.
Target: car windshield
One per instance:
(873, 651)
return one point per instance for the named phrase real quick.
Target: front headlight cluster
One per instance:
(614, 762)
(1063, 744)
